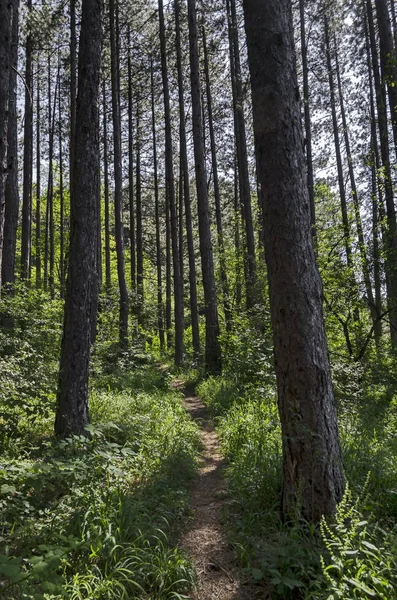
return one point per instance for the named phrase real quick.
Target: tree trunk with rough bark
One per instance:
(27, 159)
(160, 304)
(170, 192)
(312, 464)
(213, 358)
(6, 12)
(186, 187)
(11, 187)
(82, 283)
(217, 195)
(118, 179)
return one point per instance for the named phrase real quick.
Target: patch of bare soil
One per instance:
(218, 575)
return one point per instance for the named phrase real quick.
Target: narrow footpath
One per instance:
(218, 576)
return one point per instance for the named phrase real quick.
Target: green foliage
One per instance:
(94, 516)
(29, 356)
(362, 561)
(91, 516)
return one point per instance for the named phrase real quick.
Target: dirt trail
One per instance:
(218, 576)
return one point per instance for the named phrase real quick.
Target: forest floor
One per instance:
(204, 541)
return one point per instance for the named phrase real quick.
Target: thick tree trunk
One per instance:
(186, 187)
(170, 192)
(27, 159)
(213, 358)
(82, 282)
(312, 464)
(118, 191)
(217, 195)
(11, 188)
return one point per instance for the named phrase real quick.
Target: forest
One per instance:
(198, 299)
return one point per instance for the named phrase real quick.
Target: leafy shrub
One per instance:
(362, 557)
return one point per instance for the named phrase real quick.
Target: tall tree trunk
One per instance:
(118, 191)
(11, 188)
(131, 172)
(213, 359)
(356, 205)
(338, 154)
(27, 158)
(139, 231)
(73, 85)
(61, 202)
(388, 61)
(217, 196)
(390, 240)
(106, 190)
(168, 285)
(170, 192)
(186, 187)
(394, 22)
(38, 182)
(82, 283)
(6, 14)
(242, 158)
(160, 306)
(50, 188)
(375, 188)
(308, 124)
(312, 463)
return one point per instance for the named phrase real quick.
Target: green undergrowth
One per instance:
(92, 517)
(356, 555)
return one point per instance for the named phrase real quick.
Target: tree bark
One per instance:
(27, 159)
(118, 191)
(217, 196)
(131, 172)
(6, 13)
(11, 187)
(61, 203)
(312, 464)
(242, 157)
(38, 182)
(308, 124)
(106, 190)
(390, 238)
(139, 232)
(82, 283)
(170, 192)
(213, 358)
(160, 305)
(388, 61)
(186, 187)
(356, 205)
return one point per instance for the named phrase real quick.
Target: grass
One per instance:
(298, 560)
(96, 517)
